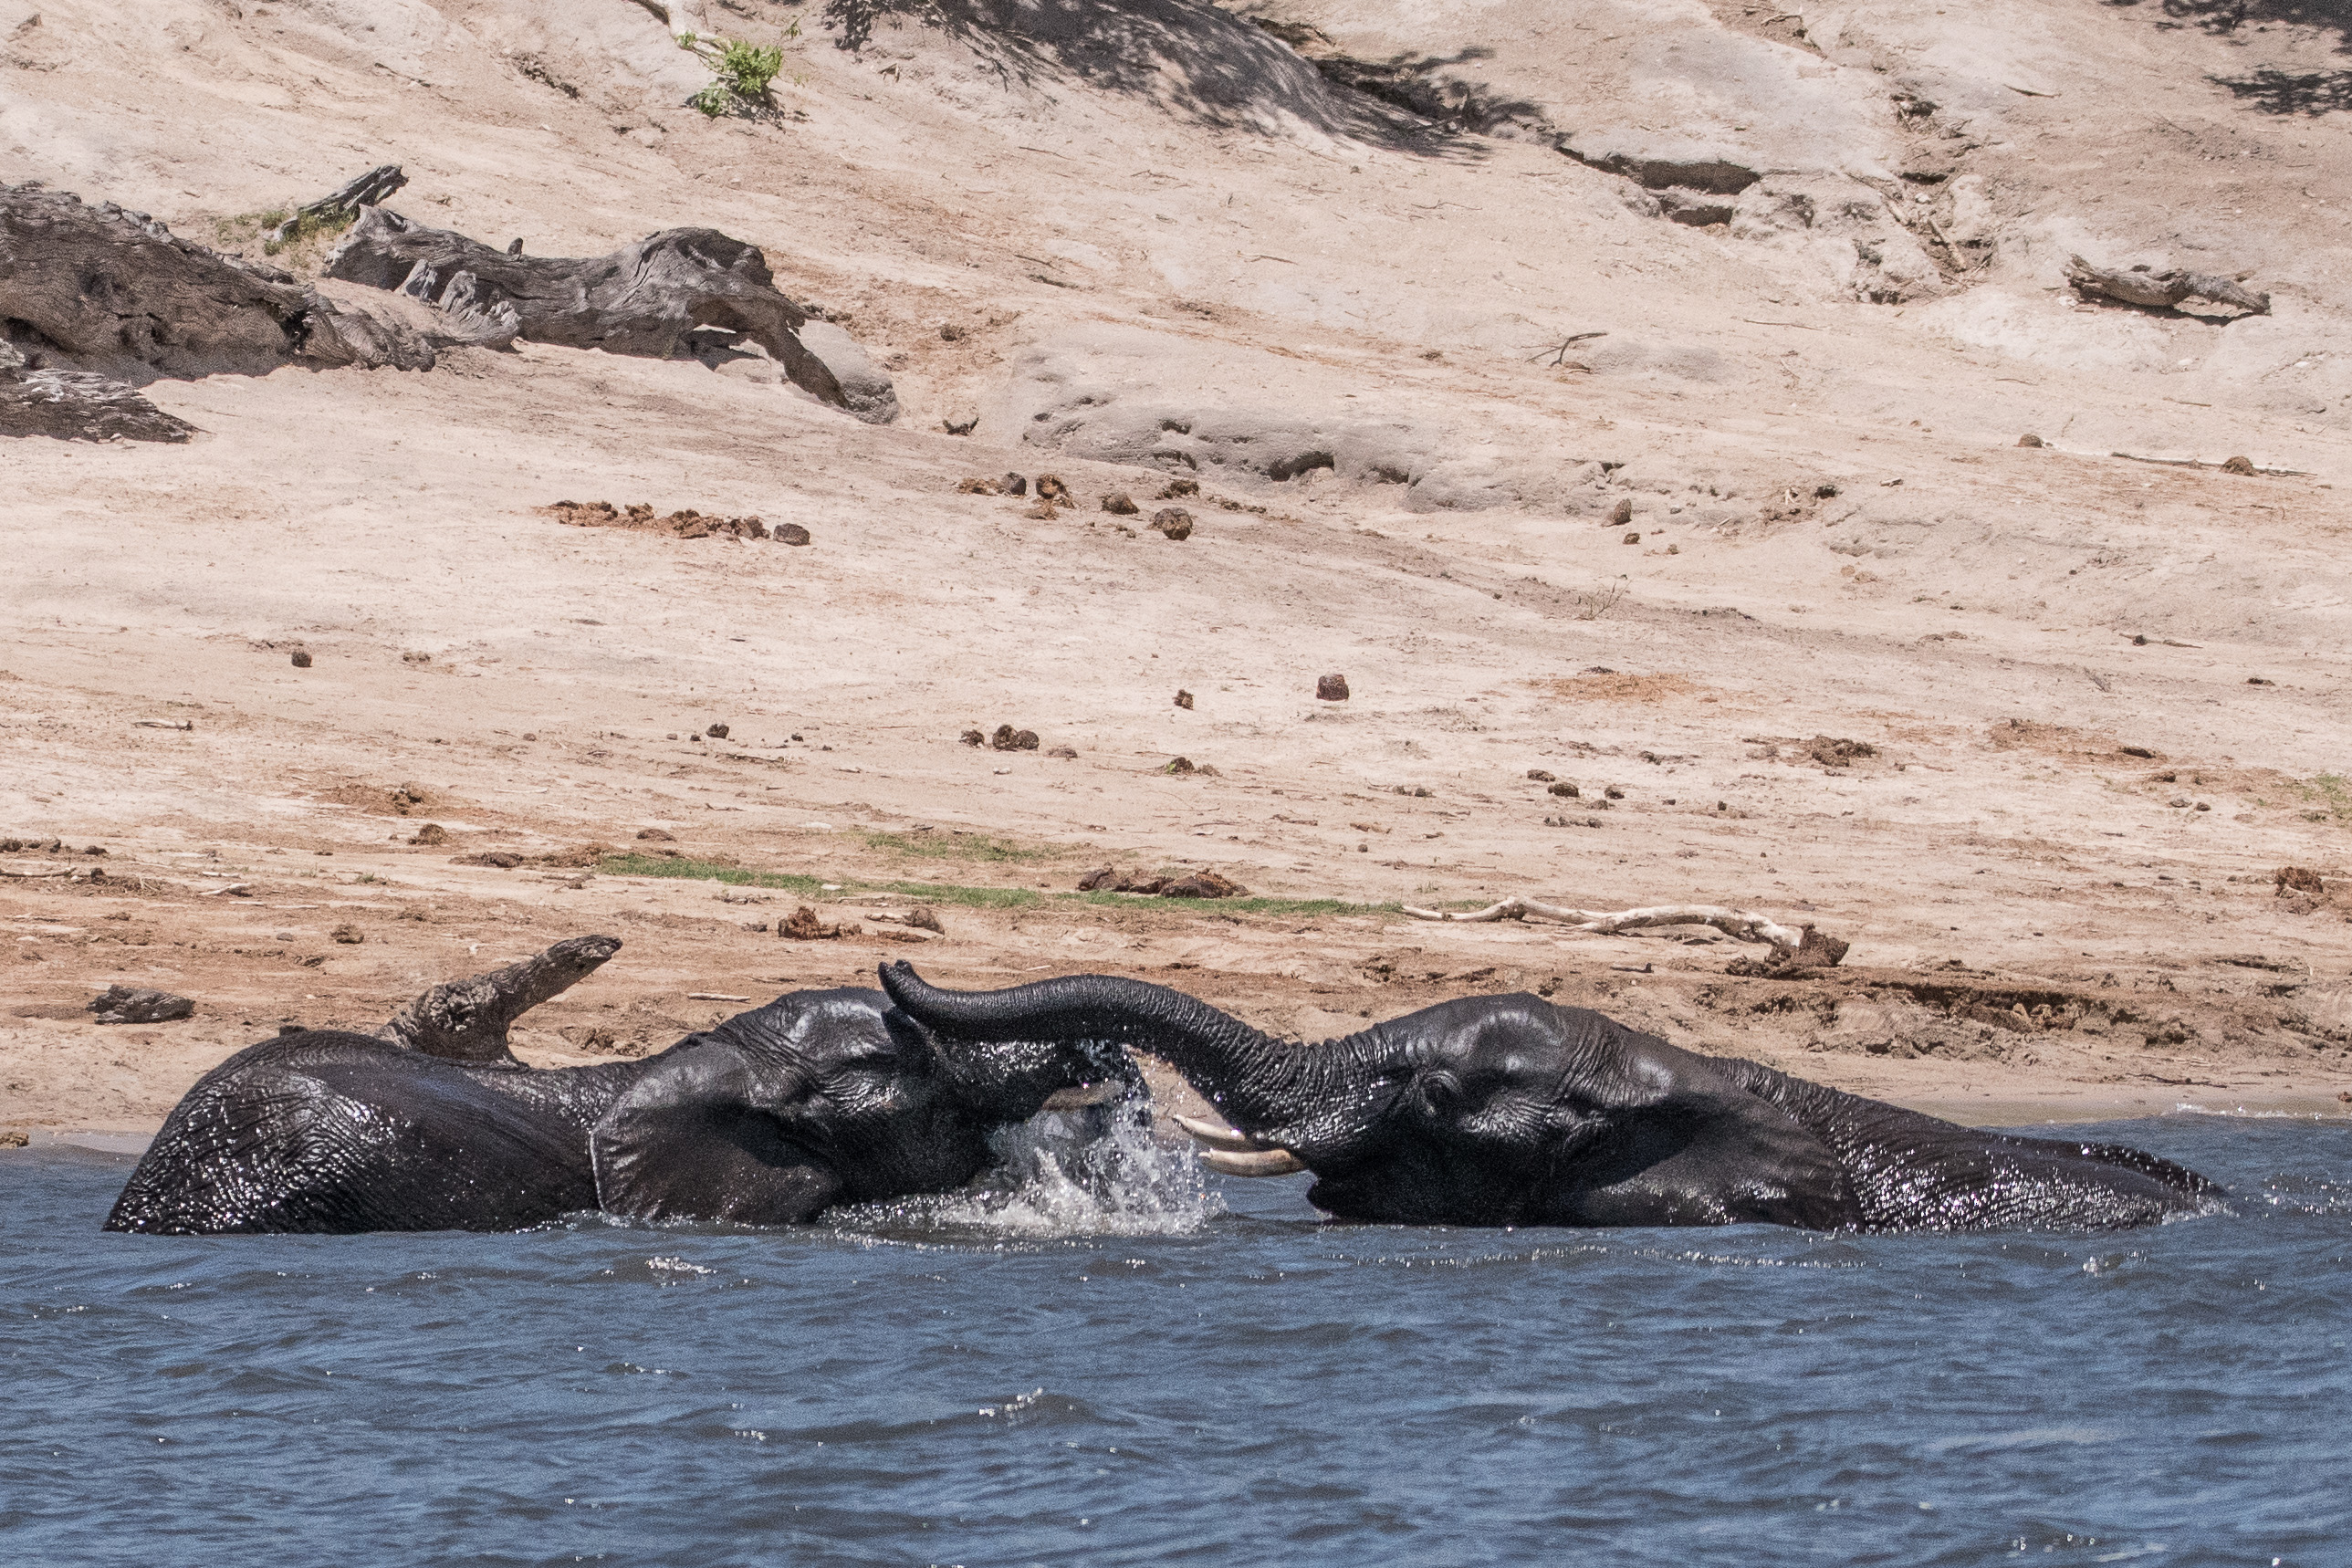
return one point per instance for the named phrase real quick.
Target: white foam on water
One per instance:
(1051, 1179)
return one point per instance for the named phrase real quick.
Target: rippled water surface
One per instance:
(1229, 1382)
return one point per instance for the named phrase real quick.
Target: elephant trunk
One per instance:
(1268, 1088)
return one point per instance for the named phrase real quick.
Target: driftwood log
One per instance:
(1739, 924)
(96, 301)
(2161, 290)
(649, 298)
(105, 290)
(78, 406)
(343, 203)
(1792, 949)
(467, 1020)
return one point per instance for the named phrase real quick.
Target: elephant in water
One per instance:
(1506, 1110)
(819, 1098)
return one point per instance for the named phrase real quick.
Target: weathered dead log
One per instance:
(644, 299)
(341, 204)
(78, 406)
(2161, 290)
(467, 1020)
(97, 289)
(110, 290)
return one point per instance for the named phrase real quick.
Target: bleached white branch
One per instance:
(1740, 923)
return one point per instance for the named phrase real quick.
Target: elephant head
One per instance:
(1508, 1111)
(826, 1096)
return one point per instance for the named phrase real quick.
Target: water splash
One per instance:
(1093, 1172)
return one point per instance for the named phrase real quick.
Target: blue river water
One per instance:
(1189, 1371)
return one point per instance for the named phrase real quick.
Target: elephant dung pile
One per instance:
(685, 525)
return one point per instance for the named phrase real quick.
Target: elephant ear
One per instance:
(1719, 1155)
(708, 1134)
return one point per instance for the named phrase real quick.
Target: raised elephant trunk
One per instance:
(1279, 1092)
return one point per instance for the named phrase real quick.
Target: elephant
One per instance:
(819, 1098)
(1507, 1110)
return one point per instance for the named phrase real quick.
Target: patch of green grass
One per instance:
(953, 893)
(692, 870)
(1253, 905)
(2327, 795)
(957, 847)
(969, 896)
(248, 226)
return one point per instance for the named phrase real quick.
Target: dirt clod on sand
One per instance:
(2239, 465)
(2302, 879)
(1015, 485)
(502, 860)
(716, 732)
(687, 524)
(789, 533)
(138, 1004)
(1814, 950)
(1331, 687)
(1183, 698)
(348, 935)
(1193, 885)
(1174, 522)
(1008, 739)
(656, 834)
(1566, 791)
(803, 925)
(431, 833)
(1204, 885)
(301, 660)
(978, 487)
(1837, 752)
(1621, 513)
(973, 738)
(1050, 487)
(1612, 686)
(1119, 503)
(1178, 488)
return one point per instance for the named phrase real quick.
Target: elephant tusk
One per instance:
(1217, 1137)
(1265, 1163)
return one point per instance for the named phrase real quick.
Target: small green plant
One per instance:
(245, 227)
(745, 71)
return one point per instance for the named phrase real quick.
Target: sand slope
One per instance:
(1170, 246)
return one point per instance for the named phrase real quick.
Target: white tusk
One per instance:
(1267, 1163)
(1217, 1137)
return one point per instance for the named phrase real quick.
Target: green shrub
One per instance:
(745, 71)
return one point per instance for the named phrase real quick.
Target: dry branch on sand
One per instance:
(2161, 290)
(1739, 924)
